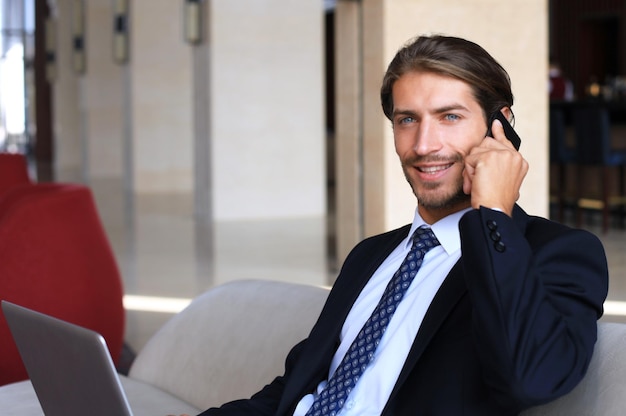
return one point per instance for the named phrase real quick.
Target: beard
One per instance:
(440, 200)
(436, 195)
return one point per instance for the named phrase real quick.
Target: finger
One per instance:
(497, 130)
(468, 172)
(496, 127)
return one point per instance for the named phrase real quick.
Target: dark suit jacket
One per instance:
(512, 326)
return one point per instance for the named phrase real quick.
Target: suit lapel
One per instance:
(314, 361)
(451, 291)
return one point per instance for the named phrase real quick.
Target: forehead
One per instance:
(429, 83)
(418, 90)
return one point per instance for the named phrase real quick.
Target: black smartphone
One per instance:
(508, 129)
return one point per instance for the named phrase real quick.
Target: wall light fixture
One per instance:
(78, 36)
(120, 31)
(192, 16)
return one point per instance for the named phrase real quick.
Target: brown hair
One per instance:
(456, 58)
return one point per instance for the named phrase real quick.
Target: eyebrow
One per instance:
(404, 113)
(449, 108)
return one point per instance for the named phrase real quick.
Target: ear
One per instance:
(507, 113)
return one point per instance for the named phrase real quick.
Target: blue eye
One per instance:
(452, 117)
(406, 120)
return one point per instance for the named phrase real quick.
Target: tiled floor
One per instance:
(163, 252)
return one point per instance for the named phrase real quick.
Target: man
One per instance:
(502, 313)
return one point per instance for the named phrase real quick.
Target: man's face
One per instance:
(436, 122)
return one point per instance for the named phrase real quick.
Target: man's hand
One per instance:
(494, 172)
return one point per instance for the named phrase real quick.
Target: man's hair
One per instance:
(453, 57)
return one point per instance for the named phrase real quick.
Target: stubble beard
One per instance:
(438, 200)
(434, 198)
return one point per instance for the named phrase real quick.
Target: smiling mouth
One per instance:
(434, 169)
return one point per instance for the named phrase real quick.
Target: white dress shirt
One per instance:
(371, 393)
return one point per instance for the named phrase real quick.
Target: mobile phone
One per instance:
(508, 129)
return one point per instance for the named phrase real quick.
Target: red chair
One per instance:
(13, 171)
(56, 258)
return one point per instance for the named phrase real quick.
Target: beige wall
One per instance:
(267, 91)
(102, 87)
(514, 32)
(161, 99)
(349, 127)
(68, 115)
(239, 119)
(236, 122)
(229, 132)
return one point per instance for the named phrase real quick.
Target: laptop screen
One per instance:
(69, 366)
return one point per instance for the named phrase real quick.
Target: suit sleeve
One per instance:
(536, 297)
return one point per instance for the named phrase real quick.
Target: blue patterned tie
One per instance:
(361, 352)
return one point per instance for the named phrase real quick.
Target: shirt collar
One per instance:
(446, 230)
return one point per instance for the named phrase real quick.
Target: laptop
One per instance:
(69, 366)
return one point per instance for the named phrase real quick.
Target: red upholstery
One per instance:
(13, 171)
(56, 258)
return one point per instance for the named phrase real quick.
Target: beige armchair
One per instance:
(233, 339)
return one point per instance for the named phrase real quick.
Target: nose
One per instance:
(427, 138)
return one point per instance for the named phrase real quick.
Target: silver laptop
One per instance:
(69, 366)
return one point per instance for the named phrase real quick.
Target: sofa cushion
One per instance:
(19, 399)
(603, 390)
(230, 341)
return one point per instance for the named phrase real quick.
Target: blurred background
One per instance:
(231, 139)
